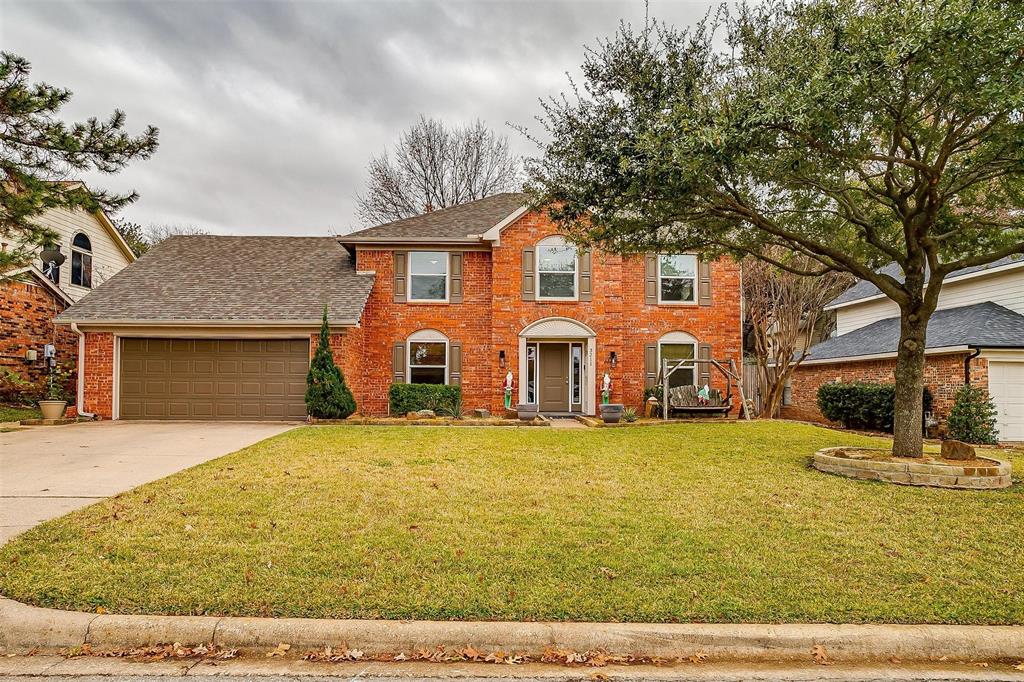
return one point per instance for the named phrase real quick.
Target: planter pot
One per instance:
(52, 409)
(612, 413)
(527, 412)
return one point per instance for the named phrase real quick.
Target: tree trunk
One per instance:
(908, 440)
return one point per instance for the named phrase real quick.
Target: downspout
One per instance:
(80, 398)
(967, 366)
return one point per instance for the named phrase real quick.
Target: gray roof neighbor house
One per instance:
(864, 289)
(983, 325)
(207, 278)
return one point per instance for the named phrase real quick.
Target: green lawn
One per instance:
(692, 522)
(15, 413)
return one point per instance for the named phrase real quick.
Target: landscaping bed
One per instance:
(429, 421)
(712, 522)
(16, 413)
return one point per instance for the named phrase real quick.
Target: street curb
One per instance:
(25, 627)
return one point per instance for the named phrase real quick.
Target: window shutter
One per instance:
(455, 363)
(586, 279)
(704, 368)
(704, 283)
(651, 279)
(650, 366)
(398, 363)
(529, 276)
(455, 275)
(401, 262)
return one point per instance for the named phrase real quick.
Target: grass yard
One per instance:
(692, 522)
(15, 413)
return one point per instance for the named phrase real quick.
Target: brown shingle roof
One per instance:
(207, 278)
(462, 222)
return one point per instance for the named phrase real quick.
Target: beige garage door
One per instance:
(213, 378)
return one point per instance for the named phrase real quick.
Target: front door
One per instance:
(554, 377)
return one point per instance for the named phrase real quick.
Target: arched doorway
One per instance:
(556, 366)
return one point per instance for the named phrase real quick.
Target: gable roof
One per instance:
(21, 274)
(231, 280)
(982, 325)
(864, 290)
(465, 223)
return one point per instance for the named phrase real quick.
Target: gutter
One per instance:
(80, 393)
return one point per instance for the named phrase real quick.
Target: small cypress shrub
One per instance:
(327, 394)
(973, 417)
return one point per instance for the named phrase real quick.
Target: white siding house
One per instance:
(1000, 283)
(101, 254)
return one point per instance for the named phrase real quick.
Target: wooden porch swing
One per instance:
(684, 398)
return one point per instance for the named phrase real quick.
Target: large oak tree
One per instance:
(851, 132)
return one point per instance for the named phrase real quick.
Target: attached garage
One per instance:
(1006, 386)
(213, 379)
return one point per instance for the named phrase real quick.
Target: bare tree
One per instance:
(434, 167)
(786, 315)
(142, 239)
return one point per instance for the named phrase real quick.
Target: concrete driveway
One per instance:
(48, 471)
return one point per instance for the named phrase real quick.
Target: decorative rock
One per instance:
(412, 415)
(425, 414)
(482, 414)
(873, 465)
(954, 449)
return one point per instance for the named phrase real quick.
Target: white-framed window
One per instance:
(557, 270)
(428, 358)
(81, 261)
(678, 346)
(428, 276)
(677, 278)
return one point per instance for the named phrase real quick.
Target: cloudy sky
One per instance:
(269, 111)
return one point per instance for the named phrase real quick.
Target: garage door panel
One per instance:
(213, 378)
(1006, 386)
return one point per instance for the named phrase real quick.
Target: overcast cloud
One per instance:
(269, 111)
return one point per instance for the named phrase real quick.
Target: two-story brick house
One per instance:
(223, 327)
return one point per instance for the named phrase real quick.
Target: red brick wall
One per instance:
(27, 310)
(943, 374)
(385, 322)
(99, 374)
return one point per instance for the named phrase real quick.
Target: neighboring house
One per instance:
(31, 297)
(976, 335)
(212, 327)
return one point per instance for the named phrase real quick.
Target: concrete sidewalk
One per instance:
(47, 471)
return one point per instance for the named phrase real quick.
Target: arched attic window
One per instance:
(81, 261)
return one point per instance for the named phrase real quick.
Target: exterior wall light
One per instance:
(613, 359)
(501, 359)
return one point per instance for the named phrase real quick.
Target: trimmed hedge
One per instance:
(862, 405)
(405, 398)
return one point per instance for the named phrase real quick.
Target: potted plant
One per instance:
(55, 399)
(611, 413)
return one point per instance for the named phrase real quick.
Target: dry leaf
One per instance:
(472, 654)
(894, 660)
(280, 651)
(400, 657)
(1019, 666)
(100, 609)
(698, 658)
(599, 676)
(819, 655)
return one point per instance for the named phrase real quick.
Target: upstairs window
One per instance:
(557, 267)
(428, 276)
(677, 278)
(428, 358)
(81, 261)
